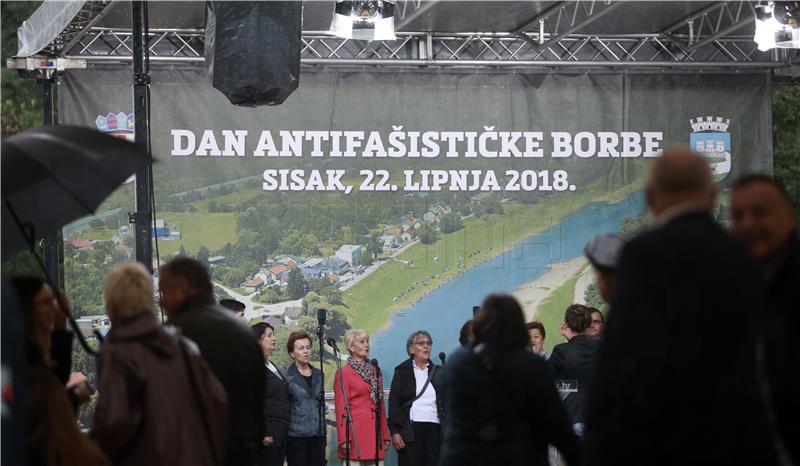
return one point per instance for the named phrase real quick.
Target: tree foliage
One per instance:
(335, 322)
(373, 246)
(296, 287)
(365, 260)
(21, 104)
(631, 226)
(593, 298)
(202, 255)
(786, 139)
(451, 222)
(427, 233)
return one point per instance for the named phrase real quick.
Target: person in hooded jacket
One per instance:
(159, 402)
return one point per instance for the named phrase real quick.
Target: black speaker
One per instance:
(253, 50)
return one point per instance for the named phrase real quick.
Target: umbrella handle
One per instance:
(28, 231)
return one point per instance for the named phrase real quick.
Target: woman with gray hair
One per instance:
(416, 405)
(154, 385)
(361, 384)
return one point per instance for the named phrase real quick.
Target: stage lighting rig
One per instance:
(363, 20)
(778, 25)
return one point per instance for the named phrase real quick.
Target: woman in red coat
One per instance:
(363, 386)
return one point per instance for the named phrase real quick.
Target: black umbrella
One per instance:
(56, 174)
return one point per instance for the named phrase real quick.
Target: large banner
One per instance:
(399, 199)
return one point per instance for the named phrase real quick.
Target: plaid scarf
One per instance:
(367, 372)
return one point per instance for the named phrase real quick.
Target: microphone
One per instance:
(374, 362)
(442, 357)
(321, 316)
(332, 343)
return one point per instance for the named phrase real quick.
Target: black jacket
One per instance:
(781, 352)
(231, 351)
(676, 377)
(504, 414)
(404, 389)
(573, 365)
(276, 407)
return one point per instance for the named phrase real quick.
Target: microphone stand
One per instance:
(321, 396)
(348, 425)
(378, 406)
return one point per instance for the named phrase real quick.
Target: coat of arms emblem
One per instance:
(710, 137)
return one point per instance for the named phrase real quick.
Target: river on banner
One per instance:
(444, 311)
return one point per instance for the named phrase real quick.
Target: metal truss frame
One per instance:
(702, 40)
(712, 23)
(563, 19)
(417, 49)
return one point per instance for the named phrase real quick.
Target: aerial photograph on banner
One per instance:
(399, 201)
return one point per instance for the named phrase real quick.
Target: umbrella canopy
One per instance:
(56, 174)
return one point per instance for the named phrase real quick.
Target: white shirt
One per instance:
(274, 370)
(424, 409)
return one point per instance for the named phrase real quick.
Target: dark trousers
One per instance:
(308, 451)
(271, 456)
(424, 450)
(240, 457)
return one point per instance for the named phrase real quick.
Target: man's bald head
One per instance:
(679, 176)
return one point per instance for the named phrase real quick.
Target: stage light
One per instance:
(363, 20)
(777, 25)
(787, 13)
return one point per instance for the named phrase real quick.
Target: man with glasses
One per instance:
(595, 330)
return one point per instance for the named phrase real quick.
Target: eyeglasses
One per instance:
(598, 321)
(424, 343)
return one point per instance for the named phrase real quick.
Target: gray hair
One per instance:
(352, 335)
(413, 337)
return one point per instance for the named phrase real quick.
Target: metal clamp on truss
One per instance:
(141, 78)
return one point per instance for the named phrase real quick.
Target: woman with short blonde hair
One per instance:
(147, 371)
(352, 336)
(362, 384)
(128, 291)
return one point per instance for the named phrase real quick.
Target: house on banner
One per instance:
(279, 273)
(349, 253)
(80, 244)
(253, 285)
(333, 265)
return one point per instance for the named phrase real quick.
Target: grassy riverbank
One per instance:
(369, 303)
(551, 311)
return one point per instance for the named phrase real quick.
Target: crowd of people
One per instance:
(694, 366)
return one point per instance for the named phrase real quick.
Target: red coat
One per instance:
(363, 412)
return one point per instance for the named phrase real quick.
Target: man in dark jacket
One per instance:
(676, 376)
(573, 363)
(763, 218)
(228, 346)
